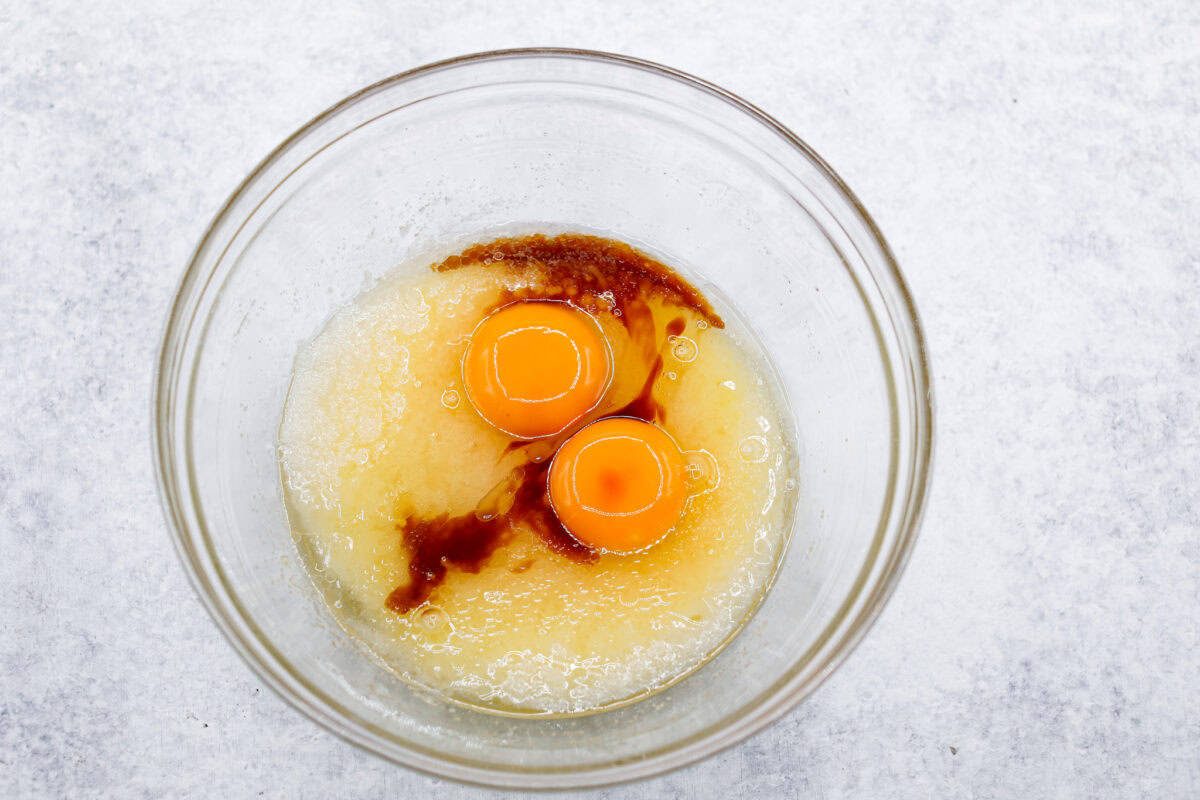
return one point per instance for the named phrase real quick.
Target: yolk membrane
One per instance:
(618, 484)
(533, 368)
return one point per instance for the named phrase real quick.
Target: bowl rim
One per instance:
(773, 702)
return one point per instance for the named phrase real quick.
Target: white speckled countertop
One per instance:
(1036, 167)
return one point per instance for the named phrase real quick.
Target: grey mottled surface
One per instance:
(1036, 166)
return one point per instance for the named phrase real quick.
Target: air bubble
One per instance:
(683, 349)
(701, 472)
(753, 450)
(432, 618)
(451, 399)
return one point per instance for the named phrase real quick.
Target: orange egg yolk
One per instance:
(533, 368)
(618, 484)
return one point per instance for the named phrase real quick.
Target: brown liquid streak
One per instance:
(585, 270)
(599, 276)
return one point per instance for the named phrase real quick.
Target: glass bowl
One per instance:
(557, 139)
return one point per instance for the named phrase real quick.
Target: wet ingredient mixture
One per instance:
(544, 476)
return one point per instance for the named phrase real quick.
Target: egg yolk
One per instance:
(533, 368)
(618, 484)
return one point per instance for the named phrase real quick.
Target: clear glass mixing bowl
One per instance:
(565, 139)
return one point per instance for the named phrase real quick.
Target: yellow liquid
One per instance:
(377, 427)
